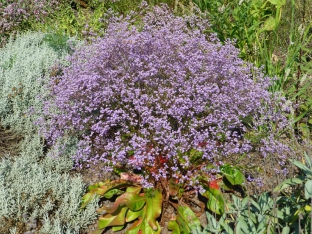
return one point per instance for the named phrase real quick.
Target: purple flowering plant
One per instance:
(165, 103)
(14, 13)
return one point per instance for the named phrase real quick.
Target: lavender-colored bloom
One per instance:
(15, 12)
(143, 97)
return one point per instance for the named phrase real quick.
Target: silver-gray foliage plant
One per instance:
(36, 188)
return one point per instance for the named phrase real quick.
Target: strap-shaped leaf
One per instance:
(112, 220)
(289, 182)
(141, 226)
(103, 189)
(117, 228)
(133, 215)
(133, 201)
(154, 201)
(184, 228)
(308, 189)
(113, 192)
(303, 167)
(174, 227)
(189, 217)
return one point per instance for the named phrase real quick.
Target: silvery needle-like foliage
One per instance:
(39, 197)
(35, 188)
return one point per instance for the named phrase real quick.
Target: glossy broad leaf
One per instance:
(232, 174)
(113, 220)
(142, 226)
(174, 227)
(133, 201)
(133, 215)
(154, 201)
(189, 217)
(215, 201)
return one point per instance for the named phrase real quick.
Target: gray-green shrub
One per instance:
(32, 193)
(36, 189)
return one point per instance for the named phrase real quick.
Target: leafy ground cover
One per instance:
(192, 117)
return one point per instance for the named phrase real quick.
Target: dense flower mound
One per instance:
(161, 98)
(13, 13)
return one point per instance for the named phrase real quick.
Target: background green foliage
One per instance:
(275, 34)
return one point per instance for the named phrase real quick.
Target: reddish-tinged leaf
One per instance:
(214, 184)
(135, 190)
(141, 226)
(131, 200)
(135, 228)
(98, 231)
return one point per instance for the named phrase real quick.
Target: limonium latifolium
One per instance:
(163, 99)
(16, 12)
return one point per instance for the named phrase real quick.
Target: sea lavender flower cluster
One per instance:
(162, 98)
(13, 13)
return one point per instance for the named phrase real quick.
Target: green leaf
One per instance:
(133, 215)
(98, 231)
(189, 217)
(136, 227)
(112, 220)
(286, 230)
(117, 228)
(101, 188)
(114, 192)
(184, 228)
(144, 227)
(288, 182)
(278, 3)
(153, 207)
(195, 155)
(213, 225)
(242, 226)
(232, 174)
(303, 167)
(308, 159)
(96, 185)
(133, 189)
(133, 201)
(308, 189)
(86, 199)
(215, 200)
(269, 24)
(174, 227)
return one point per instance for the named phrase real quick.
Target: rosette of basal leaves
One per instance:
(143, 206)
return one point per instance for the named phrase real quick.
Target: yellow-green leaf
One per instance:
(174, 227)
(113, 220)
(153, 207)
